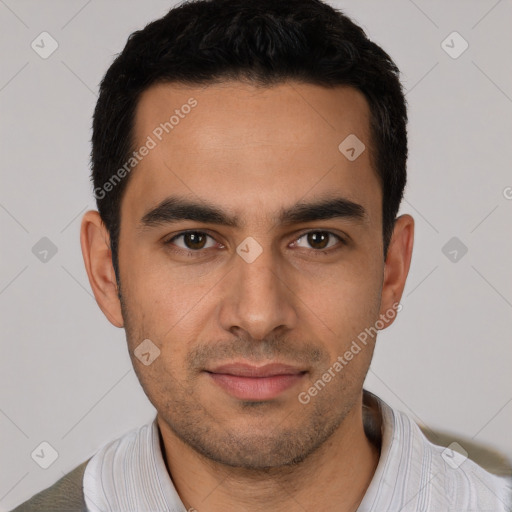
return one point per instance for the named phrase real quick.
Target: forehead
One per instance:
(251, 147)
(235, 112)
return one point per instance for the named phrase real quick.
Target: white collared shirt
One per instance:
(413, 475)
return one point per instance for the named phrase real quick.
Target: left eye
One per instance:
(318, 239)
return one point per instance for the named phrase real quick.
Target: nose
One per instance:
(258, 298)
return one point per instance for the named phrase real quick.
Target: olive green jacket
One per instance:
(66, 495)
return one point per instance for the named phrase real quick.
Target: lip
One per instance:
(248, 382)
(249, 370)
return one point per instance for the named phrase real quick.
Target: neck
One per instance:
(334, 478)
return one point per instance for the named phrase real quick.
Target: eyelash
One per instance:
(200, 252)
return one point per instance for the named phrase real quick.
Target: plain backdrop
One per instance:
(66, 377)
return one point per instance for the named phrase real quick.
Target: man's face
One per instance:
(204, 300)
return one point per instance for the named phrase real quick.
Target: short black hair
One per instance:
(265, 42)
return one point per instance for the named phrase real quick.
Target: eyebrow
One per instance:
(176, 209)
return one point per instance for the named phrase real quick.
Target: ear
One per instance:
(398, 261)
(95, 242)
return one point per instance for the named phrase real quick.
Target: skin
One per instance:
(252, 151)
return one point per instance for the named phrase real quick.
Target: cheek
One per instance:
(347, 296)
(158, 293)
(348, 306)
(166, 304)
(169, 313)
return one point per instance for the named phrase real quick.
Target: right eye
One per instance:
(191, 241)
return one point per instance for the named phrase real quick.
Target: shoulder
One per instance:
(467, 485)
(454, 478)
(66, 495)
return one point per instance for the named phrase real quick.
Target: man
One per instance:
(249, 160)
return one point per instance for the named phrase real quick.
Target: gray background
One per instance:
(66, 377)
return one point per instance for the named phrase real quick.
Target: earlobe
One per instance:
(95, 242)
(397, 265)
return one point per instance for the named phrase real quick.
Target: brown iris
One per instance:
(194, 240)
(318, 239)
